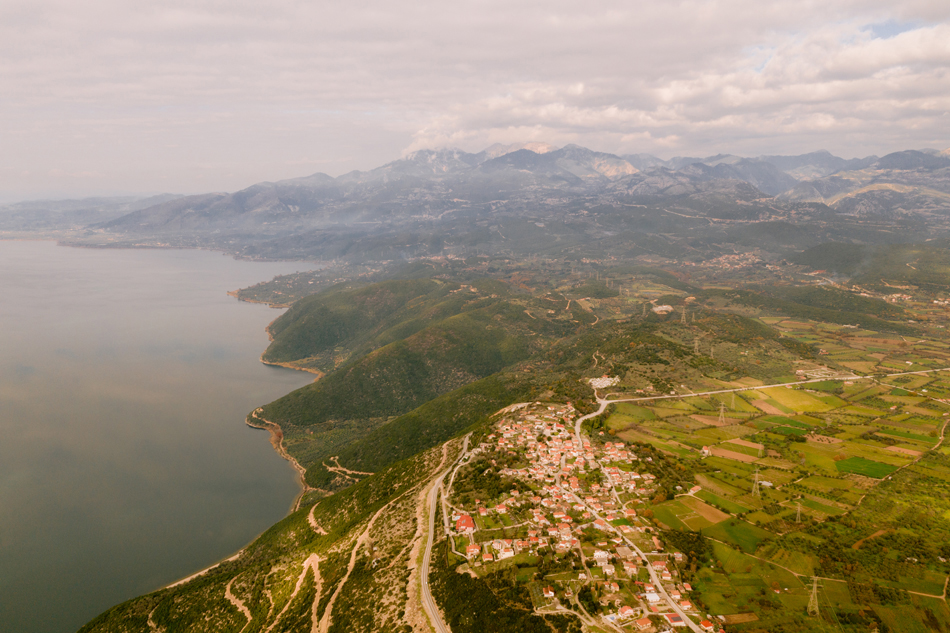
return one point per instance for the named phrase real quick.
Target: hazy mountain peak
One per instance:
(496, 150)
(434, 155)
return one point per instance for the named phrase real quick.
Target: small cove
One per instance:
(125, 463)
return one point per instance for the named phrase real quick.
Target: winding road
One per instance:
(657, 583)
(428, 602)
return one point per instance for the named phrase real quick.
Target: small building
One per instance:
(674, 619)
(643, 624)
(549, 592)
(465, 524)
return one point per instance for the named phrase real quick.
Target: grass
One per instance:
(826, 484)
(748, 537)
(798, 400)
(788, 430)
(930, 441)
(669, 513)
(866, 467)
(821, 507)
(722, 502)
(778, 419)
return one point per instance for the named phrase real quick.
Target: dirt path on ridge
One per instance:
(237, 602)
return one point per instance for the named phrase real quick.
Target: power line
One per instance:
(813, 600)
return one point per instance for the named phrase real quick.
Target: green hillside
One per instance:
(880, 267)
(443, 338)
(320, 327)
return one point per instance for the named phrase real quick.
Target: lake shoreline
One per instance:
(277, 441)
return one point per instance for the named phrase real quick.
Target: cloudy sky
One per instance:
(112, 96)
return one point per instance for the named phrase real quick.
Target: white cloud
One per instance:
(101, 95)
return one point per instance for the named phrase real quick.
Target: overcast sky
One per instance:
(112, 96)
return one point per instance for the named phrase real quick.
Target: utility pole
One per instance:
(813, 600)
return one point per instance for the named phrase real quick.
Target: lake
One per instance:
(125, 463)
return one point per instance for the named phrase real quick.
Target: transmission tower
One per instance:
(755, 484)
(683, 317)
(722, 413)
(644, 309)
(696, 346)
(733, 400)
(813, 600)
(798, 517)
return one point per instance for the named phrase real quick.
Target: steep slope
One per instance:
(321, 331)
(340, 565)
(407, 343)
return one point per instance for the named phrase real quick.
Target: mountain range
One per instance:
(529, 198)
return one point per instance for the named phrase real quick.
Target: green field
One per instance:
(788, 430)
(866, 467)
(821, 507)
(780, 419)
(740, 533)
(930, 441)
(722, 502)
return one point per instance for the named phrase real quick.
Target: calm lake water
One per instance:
(125, 463)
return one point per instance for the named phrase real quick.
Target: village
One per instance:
(577, 499)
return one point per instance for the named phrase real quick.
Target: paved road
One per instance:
(604, 402)
(428, 602)
(653, 575)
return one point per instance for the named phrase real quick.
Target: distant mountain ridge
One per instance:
(532, 197)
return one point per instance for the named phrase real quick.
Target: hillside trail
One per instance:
(151, 623)
(238, 603)
(360, 541)
(345, 472)
(312, 562)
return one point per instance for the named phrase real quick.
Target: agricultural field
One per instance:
(803, 478)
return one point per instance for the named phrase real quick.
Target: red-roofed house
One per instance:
(465, 524)
(674, 619)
